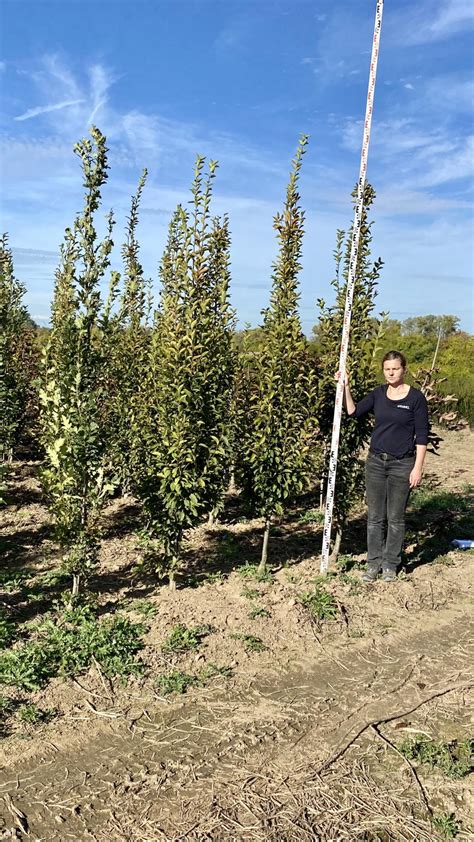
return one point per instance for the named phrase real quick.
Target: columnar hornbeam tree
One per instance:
(365, 338)
(73, 390)
(276, 437)
(128, 357)
(16, 356)
(188, 390)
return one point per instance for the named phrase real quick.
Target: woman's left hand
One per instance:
(415, 477)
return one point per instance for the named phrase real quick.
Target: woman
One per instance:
(394, 464)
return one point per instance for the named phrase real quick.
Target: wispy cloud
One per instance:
(46, 109)
(433, 20)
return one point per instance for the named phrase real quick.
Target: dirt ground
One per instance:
(298, 741)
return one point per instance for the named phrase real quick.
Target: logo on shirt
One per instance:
(402, 406)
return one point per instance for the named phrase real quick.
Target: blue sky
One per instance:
(240, 80)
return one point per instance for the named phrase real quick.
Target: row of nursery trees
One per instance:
(157, 401)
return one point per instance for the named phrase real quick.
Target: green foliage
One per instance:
(17, 359)
(320, 604)
(434, 500)
(68, 646)
(315, 516)
(183, 639)
(128, 353)
(253, 571)
(31, 714)
(177, 681)
(141, 606)
(8, 632)
(454, 759)
(365, 340)
(274, 406)
(447, 825)
(188, 389)
(258, 611)
(251, 643)
(74, 391)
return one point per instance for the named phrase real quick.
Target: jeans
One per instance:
(388, 489)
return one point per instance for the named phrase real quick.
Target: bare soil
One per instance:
(300, 743)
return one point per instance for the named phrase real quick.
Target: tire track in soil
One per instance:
(156, 763)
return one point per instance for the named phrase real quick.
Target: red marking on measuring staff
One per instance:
(336, 427)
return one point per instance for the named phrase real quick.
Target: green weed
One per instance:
(454, 759)
(11, 581)
(320, 604)
(251, 643)
(426, 500)
(345, 563)
(446, 560)
(67, 646)
(311, 516)
(251, 571)
(142, 606)
(259, 611)
(183, 639)
(446, 824)
(33, 715)
(8, 632)
(177, 681)
(355, 585)
(249, 593)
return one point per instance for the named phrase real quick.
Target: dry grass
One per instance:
(343, 805)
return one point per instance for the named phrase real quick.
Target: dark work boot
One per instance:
(371, 572)
(389, 574)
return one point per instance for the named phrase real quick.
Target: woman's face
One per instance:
(393, 372)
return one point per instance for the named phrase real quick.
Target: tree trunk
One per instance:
(336, 547)
(172, 580)
(76, 582)
(232, 482)
(262, 567)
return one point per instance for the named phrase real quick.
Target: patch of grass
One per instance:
(426, 500)
(11, 581)
(142, 606)
(251, 571)
(320, 604)
(447, 825)
(229, 547)
(355, 585)
(183, 639)
(446, 560)
(8, 632)
(249, 593)
(251, 643)
(33, 715)
(454, 759)
(67, 646)
(311, 516)
(259, 611)
(213, 576)
(345, 563)
(177, 681)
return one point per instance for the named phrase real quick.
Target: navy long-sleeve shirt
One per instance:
(399, 424)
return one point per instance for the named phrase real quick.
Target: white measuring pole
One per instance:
(336, 426)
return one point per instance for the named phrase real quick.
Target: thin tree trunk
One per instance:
(172, 580)
(232, 482)
(76, 583)
(266, 535)
(336, 547)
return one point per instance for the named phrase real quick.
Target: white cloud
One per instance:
(46, 109)
(431, 21)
